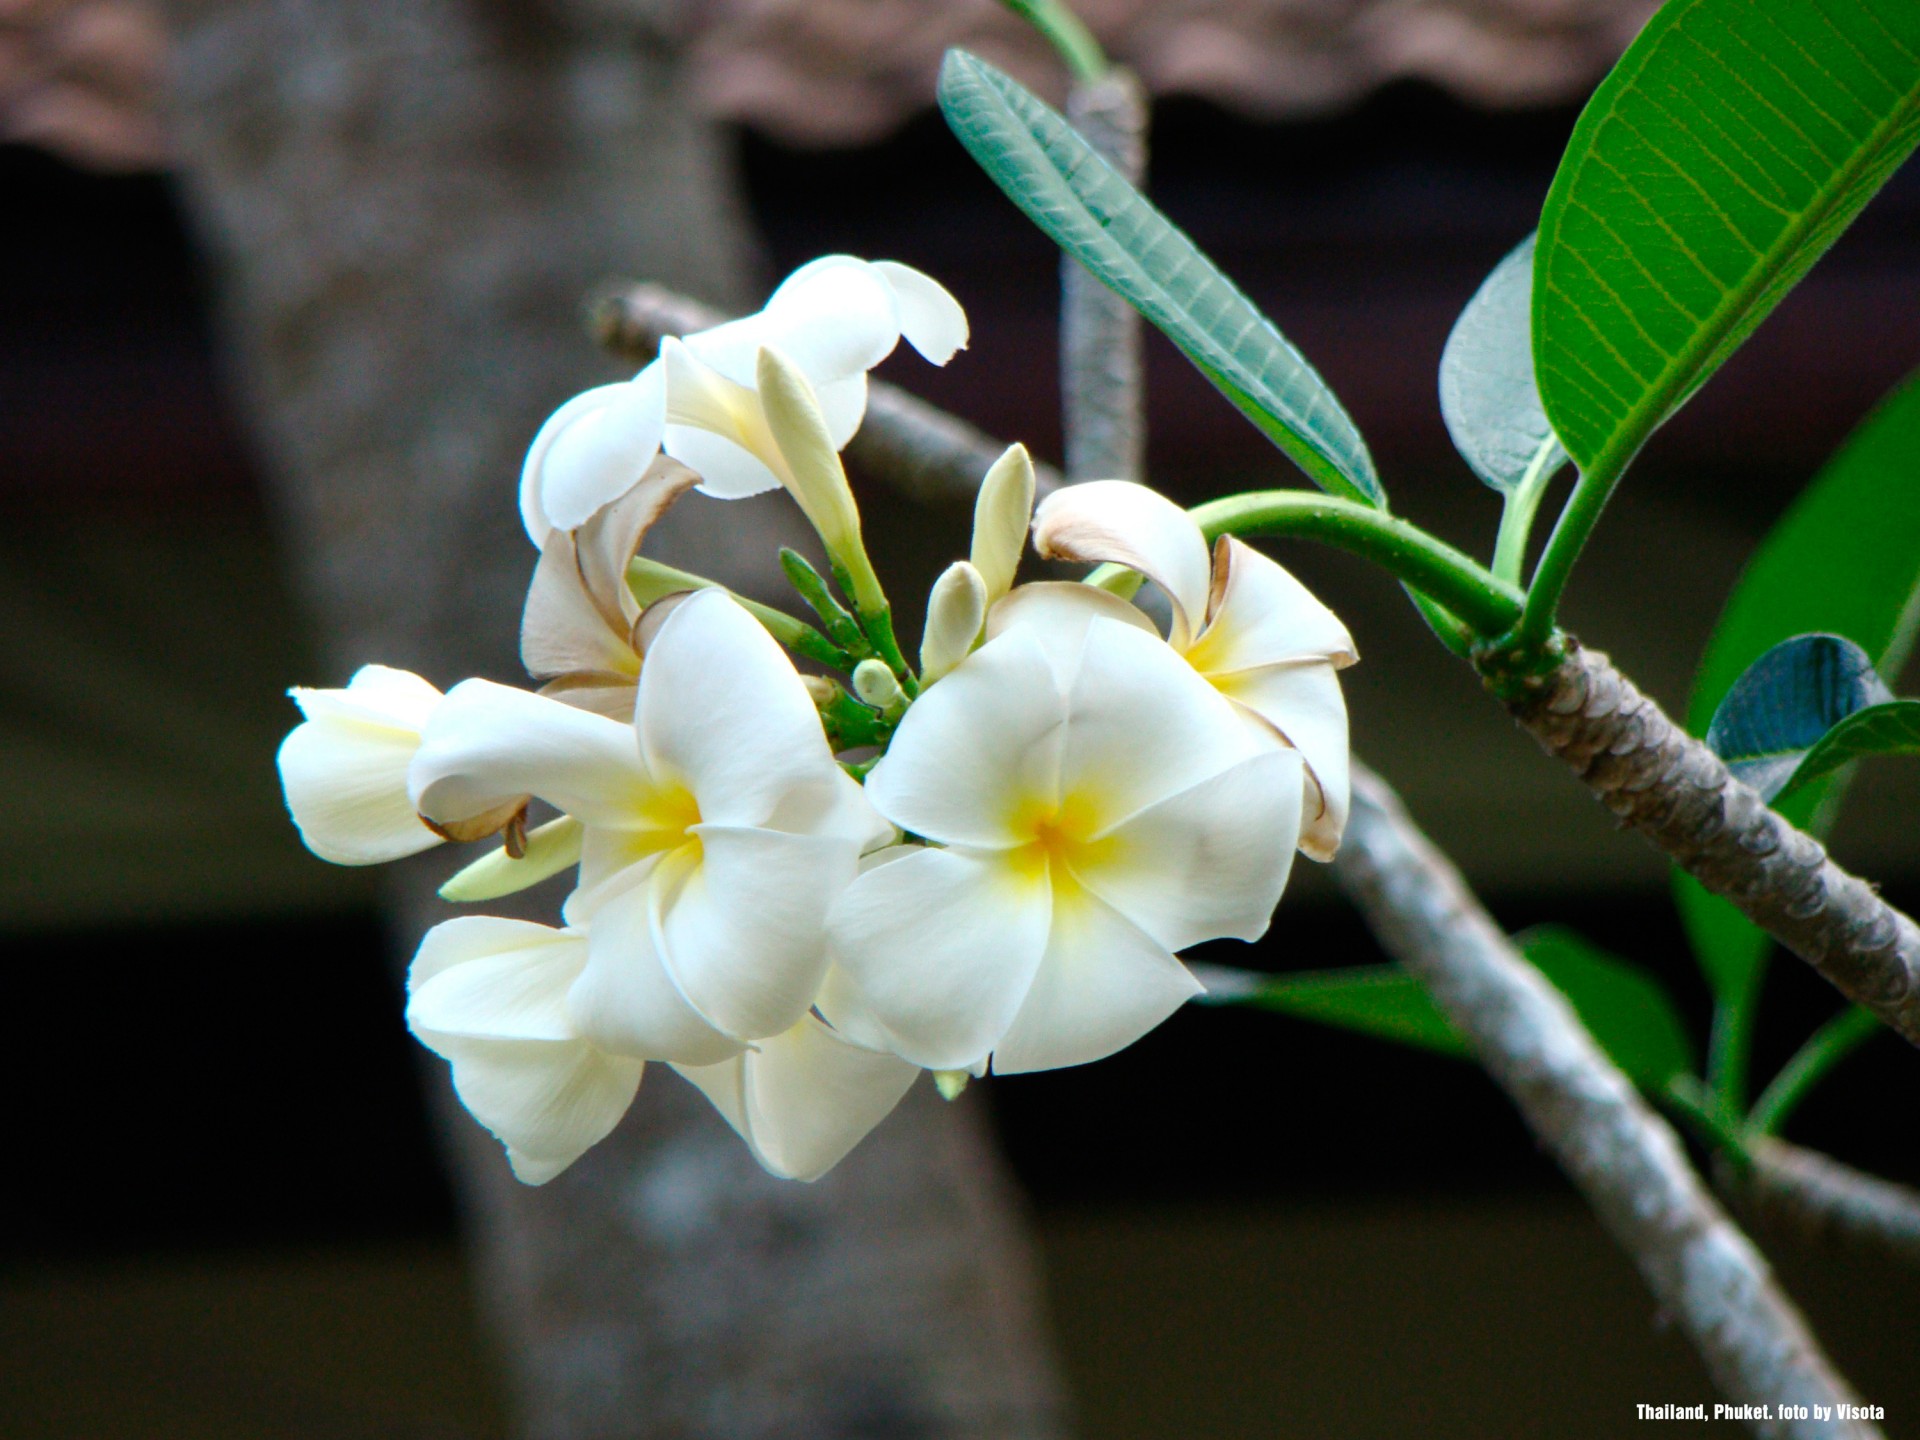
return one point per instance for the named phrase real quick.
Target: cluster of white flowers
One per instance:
(995, 870)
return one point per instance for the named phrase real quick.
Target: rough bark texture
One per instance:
(1101, 355)
(918, 449)
(1674, 791)
(1624, 1158)
(409, 203)
(1799, 1191)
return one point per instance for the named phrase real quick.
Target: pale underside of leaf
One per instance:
(1488, 395)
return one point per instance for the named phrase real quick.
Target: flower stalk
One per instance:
(1482, 600)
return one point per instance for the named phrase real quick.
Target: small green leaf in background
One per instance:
(1787, 702)
(1379, 1000)
(1731, 145)
(1889, 729)
(1096, 216)
(1626, 1011)
(1844, 559)
(1487, 392)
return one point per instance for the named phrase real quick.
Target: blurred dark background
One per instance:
(226, 1206)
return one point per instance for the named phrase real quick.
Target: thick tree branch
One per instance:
(917, 448)
(1101, 357)
(1623, 1157)
(1790, 1188)
(1676, 792)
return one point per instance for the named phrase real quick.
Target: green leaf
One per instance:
(1379, 1000)
(1096, 216)
(1731, 145)
(1844, 559)
(1784, 704)
(1625, 1009)
(1487, 392)
(1889, 729)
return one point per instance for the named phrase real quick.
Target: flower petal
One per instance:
(591, 451)
(841, 1004)
(941, 945)
(344, 770)
(1141, 726)
(1103, 984)
(805, 1098)
(1208, 862)
(727, 470)
(715, 425)
(1057, 613)
(488, 743)
(930, 318)
(834, 317)
(1119, 522)
(376, 695)
(489, 995)
(1302, 703)
(1258, 614)
(745, 939)
(843, 405)
(723, 711)
(624, 1000)
(976, 751)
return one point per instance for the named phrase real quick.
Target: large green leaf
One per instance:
(1095, 215)
(1731, 145)
(1787, 702)
(1487, 392)
(1889, 729)
(1844, 559)
(1626, 1011)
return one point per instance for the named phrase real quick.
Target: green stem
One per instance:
(1730, 1046)
(878, 625)
(1520, 505)
(649, 581)
(1490, 606)
(1825, 1048)
(1689, 1096)
(812, 588)
(1570, 532)
(1063, 30)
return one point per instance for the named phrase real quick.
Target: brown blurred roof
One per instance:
(832, 72)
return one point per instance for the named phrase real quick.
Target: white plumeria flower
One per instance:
(491, 996)
(835, 318)
(1256, 633)
(717, 831)
(580, 629)
(803, 1099)
(344, 770)
(1098, 807)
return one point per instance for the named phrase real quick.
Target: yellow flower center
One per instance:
(1058, 833)
(662, 818)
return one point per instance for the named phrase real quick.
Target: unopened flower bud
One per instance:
(1000, 516)
(820, 690)
(950, 1083)
(956, 609)
(815, 475)
(874, 683)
